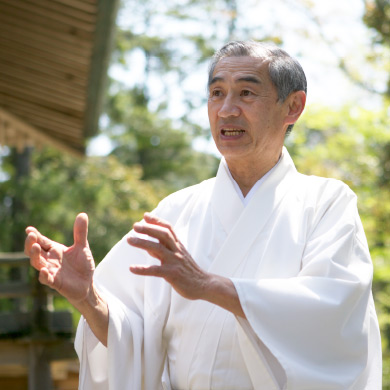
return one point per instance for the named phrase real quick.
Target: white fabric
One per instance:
(245, 199)
(298, 258)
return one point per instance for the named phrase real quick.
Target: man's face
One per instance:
(247, 121)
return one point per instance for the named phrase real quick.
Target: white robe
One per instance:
(299, 260)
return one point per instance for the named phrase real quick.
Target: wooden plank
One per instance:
(14, 323)
(62, 133)
(44, 95)
(104, 41)
(13, 352)
(43, 40)
(51, 25)
(61, 127)
(58, 34)
(81, 64)
(71, 127)
(33, 10)
(47, 6)
(74, 132)
(14, 258)
(39, 376)
(61, 350)
(37, 70)
(46, 63)
(52, 51)
(30, 109)
(15, 122)
(14, 290)
(61, 322)
(85, 5)
(59, 132)
(43, 84)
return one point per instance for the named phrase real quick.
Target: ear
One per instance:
(296, 103)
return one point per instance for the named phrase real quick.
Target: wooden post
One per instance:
(39, 375)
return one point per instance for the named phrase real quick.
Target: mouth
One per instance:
(232, 132)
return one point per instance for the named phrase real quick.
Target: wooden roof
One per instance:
(53, 63)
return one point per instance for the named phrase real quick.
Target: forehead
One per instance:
(240, 67)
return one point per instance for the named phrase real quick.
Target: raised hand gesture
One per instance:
(69, 270)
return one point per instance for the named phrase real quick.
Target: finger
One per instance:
(155, 249)
(36, 258)
(46, 278)
(80, 230)
(31, 239)
(43, 241)
(152, 270)
(162, 234)
(153, 219)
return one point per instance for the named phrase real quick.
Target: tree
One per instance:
(377, 17)
(59, 187)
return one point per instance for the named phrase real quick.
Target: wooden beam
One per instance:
(15, 352)
(104, 40)
(35, 11)
(33, 19)
(53, 52)
(11, 258)
(43, 40)
(45, 96)
(85, 5)
(42, 85)
(59, 34)
(29, 110)
(37, 63)
(80, 64)
(14, 290)
(48, 7)
(8, 120)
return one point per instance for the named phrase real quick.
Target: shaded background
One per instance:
(123, 121)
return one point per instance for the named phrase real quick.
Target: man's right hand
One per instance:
(69, 270)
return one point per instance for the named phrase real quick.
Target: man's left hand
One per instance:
(177, 266)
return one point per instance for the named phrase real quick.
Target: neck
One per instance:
(247, 174)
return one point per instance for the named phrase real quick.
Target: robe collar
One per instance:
(227, 202)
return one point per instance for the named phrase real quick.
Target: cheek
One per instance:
(212, 111)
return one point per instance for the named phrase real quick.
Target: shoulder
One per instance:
(327, 200)
(323, 190)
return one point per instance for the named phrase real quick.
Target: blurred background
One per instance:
(103, 110)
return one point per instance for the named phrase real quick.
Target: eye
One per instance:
(215, 93)
(246, 92)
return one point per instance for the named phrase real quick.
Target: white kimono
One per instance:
(299, 260)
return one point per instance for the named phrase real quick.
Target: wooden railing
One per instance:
(32, 334)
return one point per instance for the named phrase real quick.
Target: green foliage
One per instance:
(147, 138)
(60, 186)
(377, 17)
(352, 144)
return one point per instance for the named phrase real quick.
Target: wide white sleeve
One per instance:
(318, 323)
(119, 366)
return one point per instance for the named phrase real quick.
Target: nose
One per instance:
(229, 108)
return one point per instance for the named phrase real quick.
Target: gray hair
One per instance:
(285, 72)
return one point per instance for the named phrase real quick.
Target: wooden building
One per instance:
(54, 56)
(53, 65)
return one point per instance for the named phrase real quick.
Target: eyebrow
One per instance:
(250, 79)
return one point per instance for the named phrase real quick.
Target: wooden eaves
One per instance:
(54, 56)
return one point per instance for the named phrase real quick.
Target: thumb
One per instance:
(80, 230)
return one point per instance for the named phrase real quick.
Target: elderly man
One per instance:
(259, 278)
